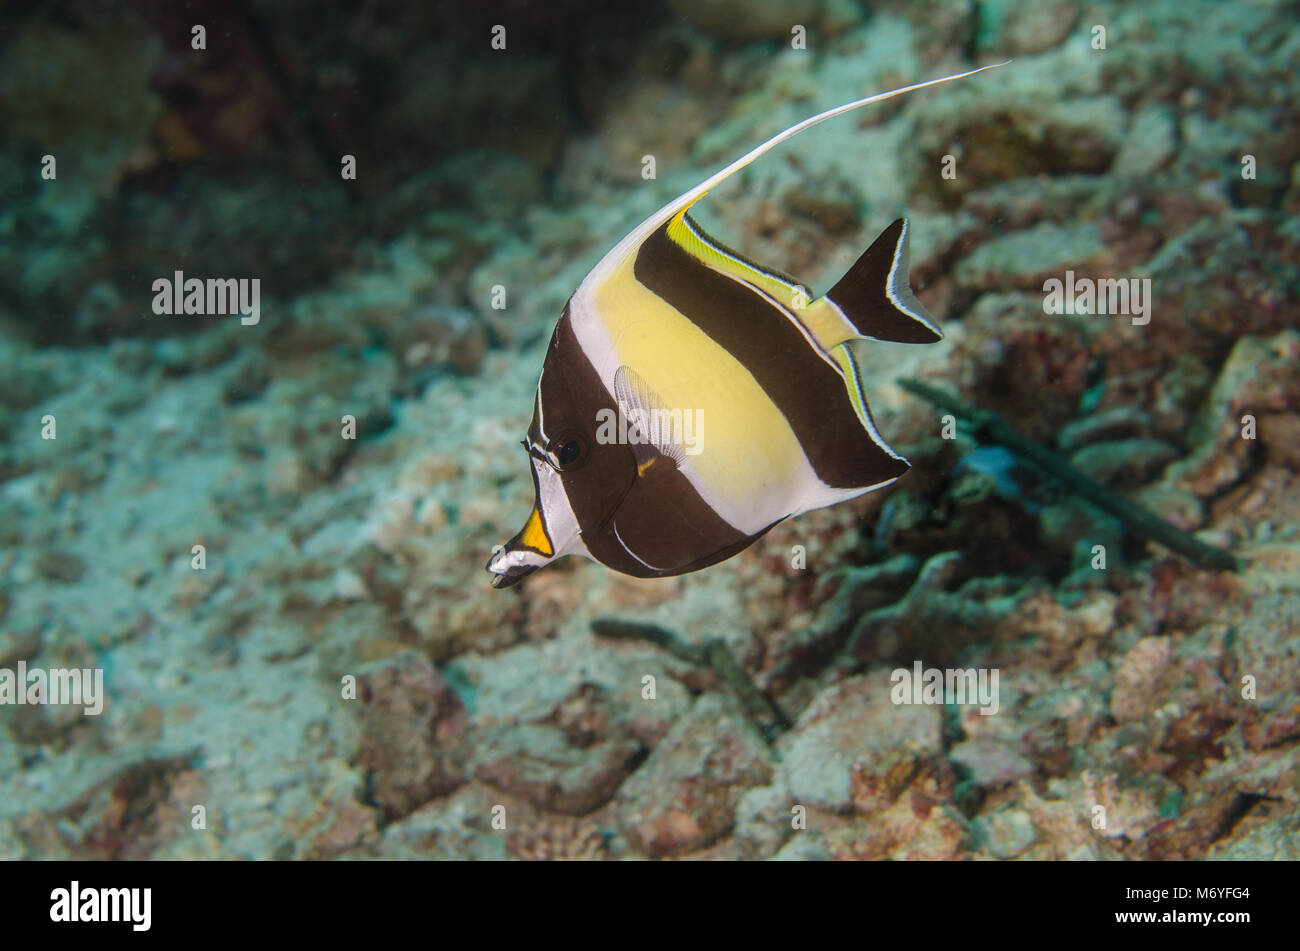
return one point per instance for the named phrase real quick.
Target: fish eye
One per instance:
(568, 451)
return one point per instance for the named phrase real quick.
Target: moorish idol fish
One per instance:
(691, 399)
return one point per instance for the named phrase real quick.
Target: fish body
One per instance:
(691, 399)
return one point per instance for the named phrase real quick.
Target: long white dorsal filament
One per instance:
(686, 200)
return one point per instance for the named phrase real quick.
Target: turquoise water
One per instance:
(247, 517)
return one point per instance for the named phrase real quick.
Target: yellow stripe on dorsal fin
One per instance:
(686, 232)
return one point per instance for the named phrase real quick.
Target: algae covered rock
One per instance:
(685, 795)
(412, 723)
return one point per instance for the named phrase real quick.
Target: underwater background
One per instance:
(302, 656)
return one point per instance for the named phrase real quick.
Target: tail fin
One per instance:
(875, 299)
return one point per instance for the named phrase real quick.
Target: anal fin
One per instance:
(858, 397)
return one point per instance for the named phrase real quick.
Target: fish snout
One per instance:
(505, 573)
(522, 555)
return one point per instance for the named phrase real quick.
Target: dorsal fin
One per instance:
(682, 203)
(686, 232)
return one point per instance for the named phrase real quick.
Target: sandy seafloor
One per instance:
(1166, 694)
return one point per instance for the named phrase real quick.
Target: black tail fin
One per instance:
(875, 295)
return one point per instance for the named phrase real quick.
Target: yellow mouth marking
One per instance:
(534, 535)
